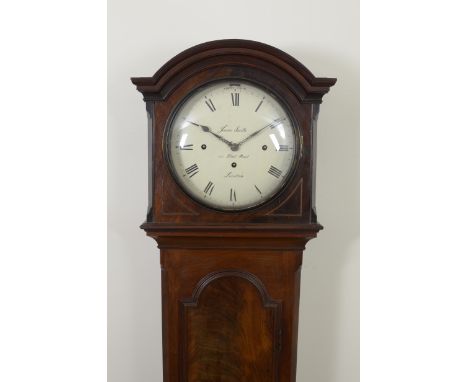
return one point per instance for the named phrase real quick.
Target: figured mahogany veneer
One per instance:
(231, 281)
(231, 329)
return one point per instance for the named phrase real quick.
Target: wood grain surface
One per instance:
(230, 281)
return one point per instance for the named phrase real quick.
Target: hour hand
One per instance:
(207, 129)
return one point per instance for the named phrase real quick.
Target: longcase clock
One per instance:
(232, 156)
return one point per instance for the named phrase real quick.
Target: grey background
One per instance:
(324, 36)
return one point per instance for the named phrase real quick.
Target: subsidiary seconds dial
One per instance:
(231, 145)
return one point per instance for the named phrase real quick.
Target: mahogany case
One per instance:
(231, 280)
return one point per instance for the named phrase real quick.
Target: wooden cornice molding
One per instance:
(222, 53)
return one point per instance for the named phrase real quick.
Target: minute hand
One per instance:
(272, 125)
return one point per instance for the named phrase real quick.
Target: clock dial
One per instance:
(231, 145)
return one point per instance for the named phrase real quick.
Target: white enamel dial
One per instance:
(231, 145)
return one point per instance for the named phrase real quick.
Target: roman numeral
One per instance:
(260, 104)
(235, 99)
(283, 148)
(192, 170)
(185, 147)
(210, 104)
(274, 171)
(233, 198)
(260, 192)
(209, 188)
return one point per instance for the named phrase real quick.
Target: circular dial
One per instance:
(231, 145)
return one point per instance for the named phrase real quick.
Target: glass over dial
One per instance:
(231, 145)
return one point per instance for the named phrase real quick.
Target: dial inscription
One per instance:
(241, 139)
